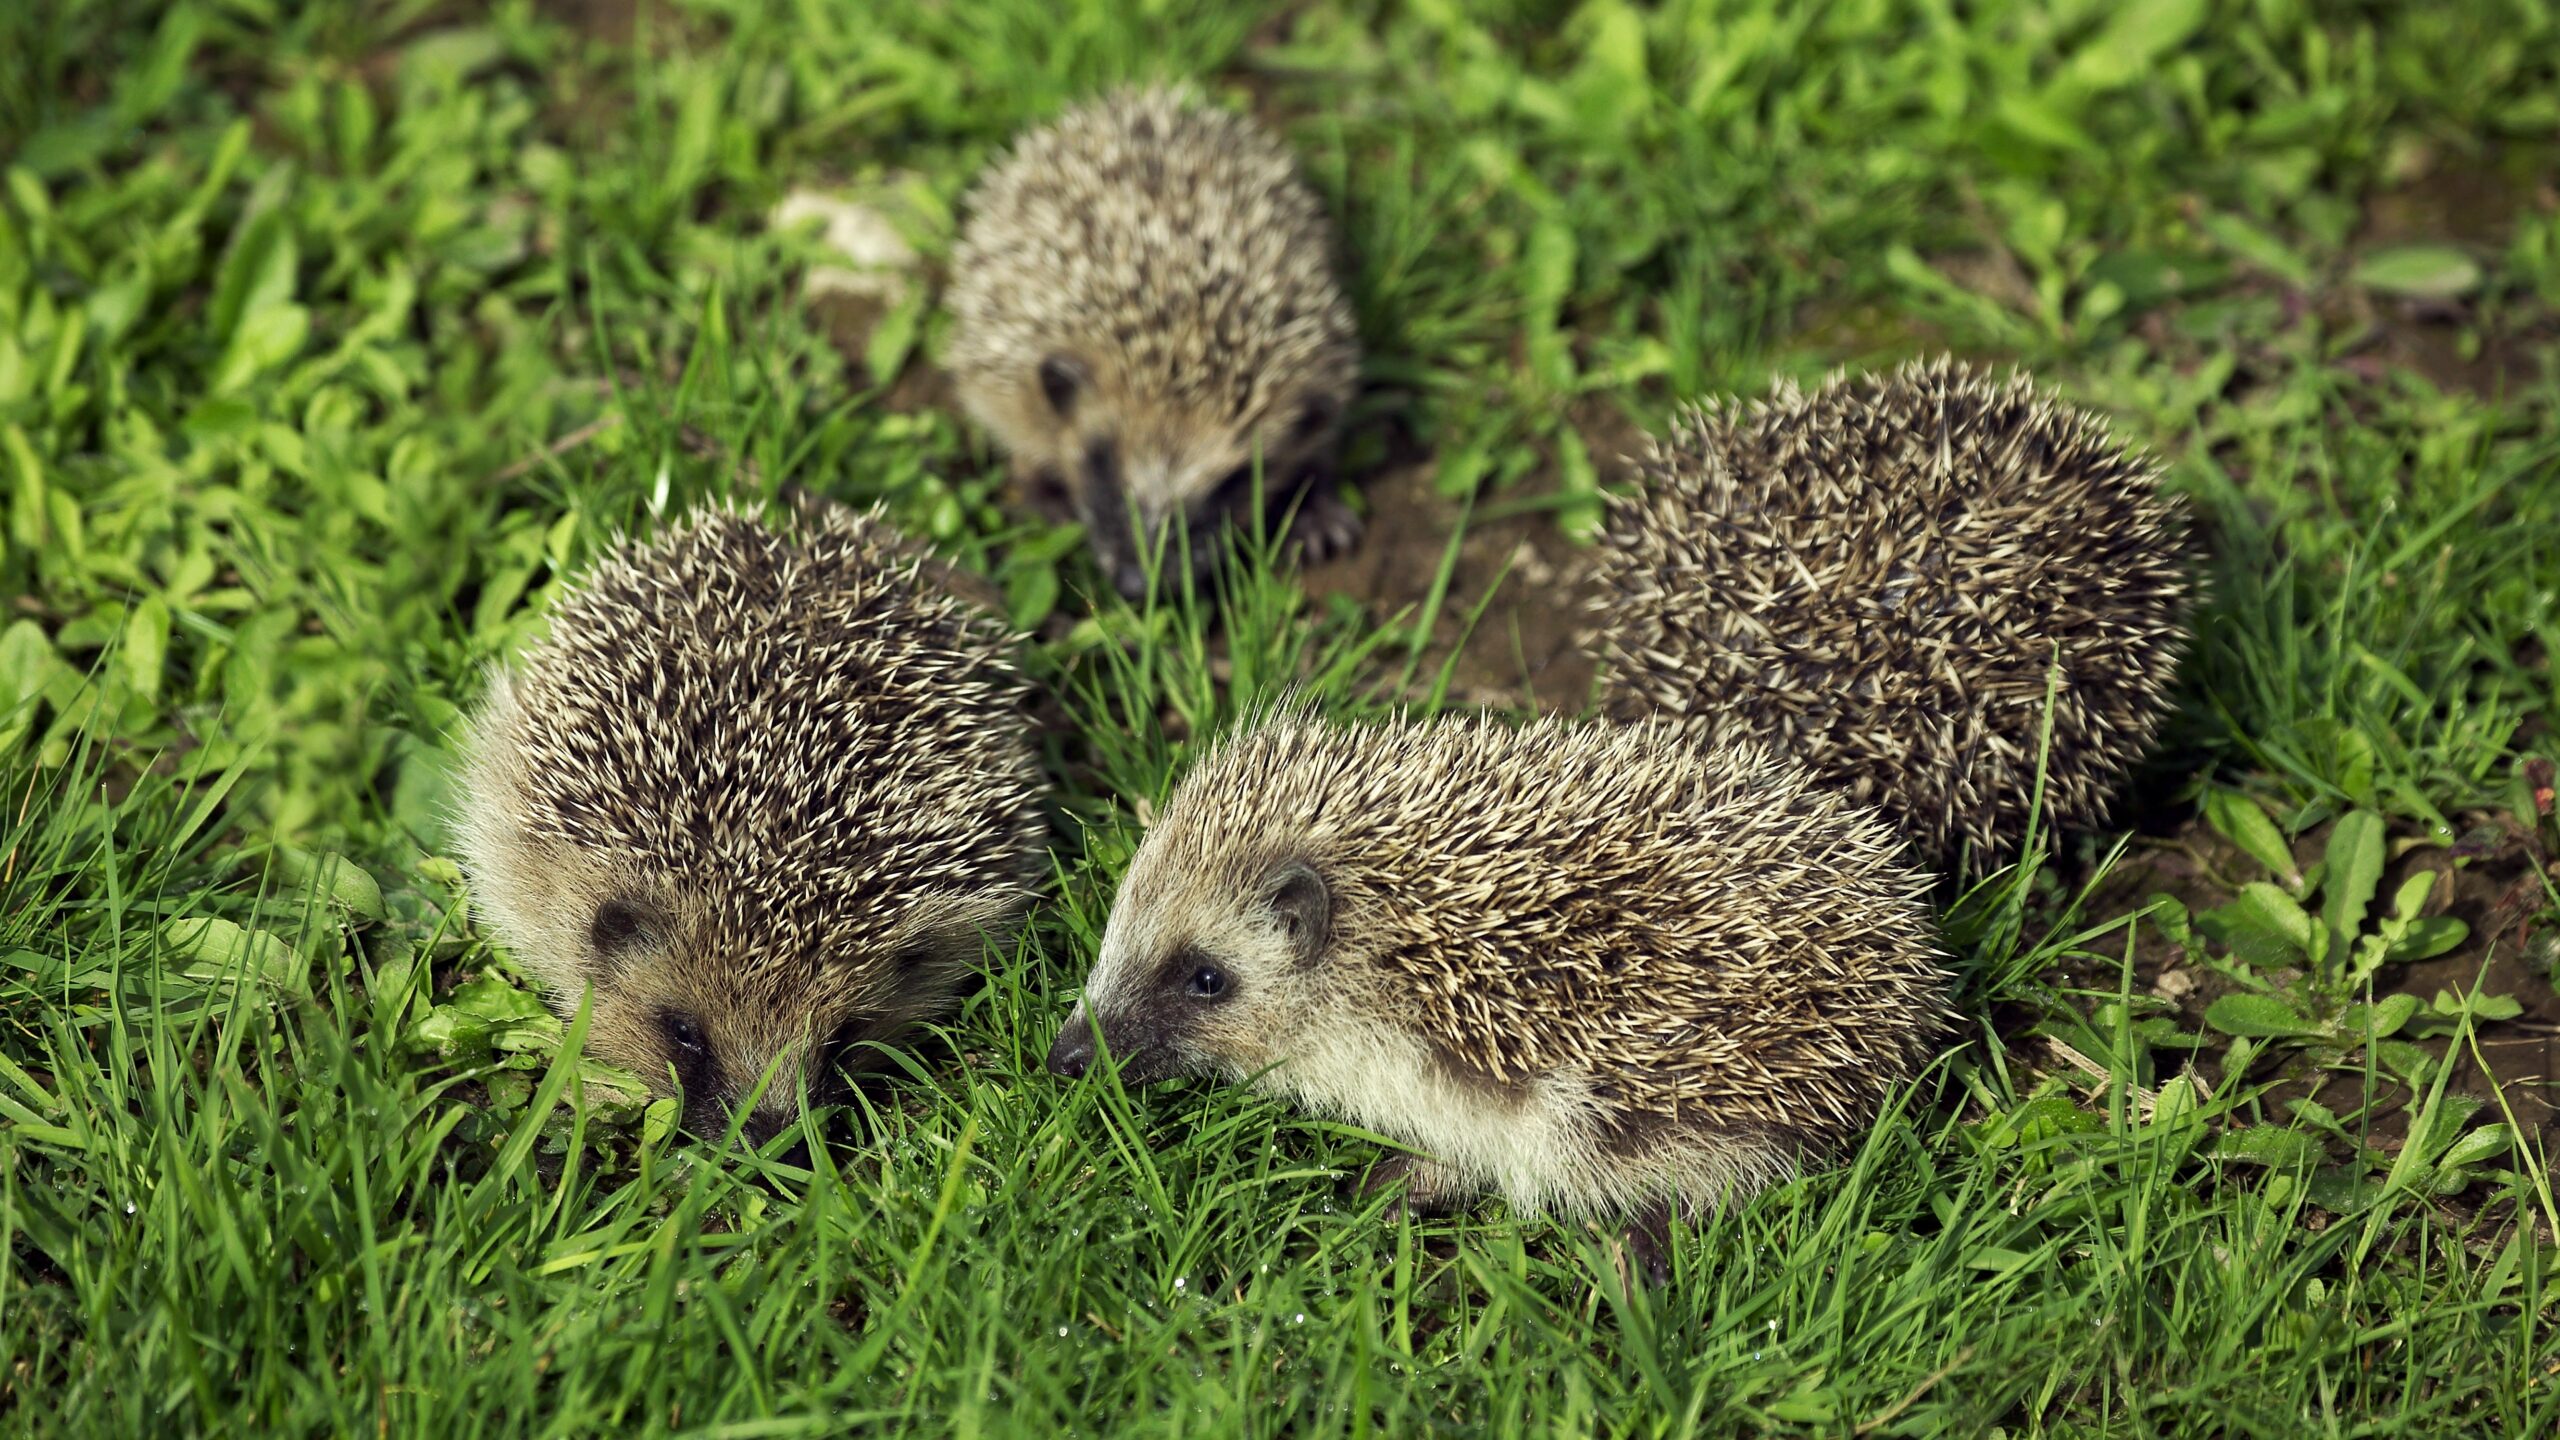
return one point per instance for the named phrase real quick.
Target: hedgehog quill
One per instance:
(1145, 311)
(1884, 576)
(1603, 970)
(763, 794)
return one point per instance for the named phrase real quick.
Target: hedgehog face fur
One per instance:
(1878, 577)
(1144, 311)
(763, 797)
(1596, 968)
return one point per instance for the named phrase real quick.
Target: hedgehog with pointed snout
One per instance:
(759, 797)
(1884, 577)
(1604, 970)
(1145, 316)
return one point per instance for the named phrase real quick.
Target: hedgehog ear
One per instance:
(619, 925)
(1060, 379)
(1300, 900)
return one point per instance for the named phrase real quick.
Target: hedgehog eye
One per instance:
(1059, 383)
(1207, 982)
(685, 1037)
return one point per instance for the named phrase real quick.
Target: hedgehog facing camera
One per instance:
(1886, 578)
(762, 794)
(1607, 971)
(1145, 316)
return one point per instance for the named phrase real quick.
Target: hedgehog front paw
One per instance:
(1326, 528)
(1426, 1185)
(1644, 1247)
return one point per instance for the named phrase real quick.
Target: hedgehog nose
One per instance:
(1072, 1053)
(759, 1128)
(1130, 579)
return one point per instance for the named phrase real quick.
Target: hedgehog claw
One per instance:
(1326, 528)
(1427, 1185)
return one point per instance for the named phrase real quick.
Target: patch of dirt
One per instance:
(2457, 345)
(1522, 651)
(611, 22)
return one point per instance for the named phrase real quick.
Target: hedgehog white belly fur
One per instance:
(1143, 309)
(762, 793)
(1594, 968)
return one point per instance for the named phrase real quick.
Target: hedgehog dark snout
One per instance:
(1071, 1054)
(1138, 1050)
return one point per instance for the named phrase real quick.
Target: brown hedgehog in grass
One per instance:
(1885, 576)
(1604, 970)
(1144, 310)
(763, 794)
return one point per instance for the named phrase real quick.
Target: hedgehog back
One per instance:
(1881, 576)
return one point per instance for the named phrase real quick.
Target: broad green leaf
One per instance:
(493, 999)
(2428, 938)
(2170, 914)
(2269, 1145)
(2136, 35)
(2345, 1189)
(2478, 1006)
(266, 339)
(2272, 913)
(2261, 1016)
(2486, 1143)
(2354, 861)
(2258, 248)
(27, 664)
(257, 273)
(1030, 593)
(2242, 821)
(2384, 1017)
(144, 652)
(893, 341)
(213, 948)
(1548, 265)
(2411, 897)
(340, 880)
(446, 1031)
(2419, 272)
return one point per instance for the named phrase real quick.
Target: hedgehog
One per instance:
(1607, 971)
(1145, 316)
(763, 794)
(1886, 578)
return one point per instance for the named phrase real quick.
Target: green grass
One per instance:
(333, 336)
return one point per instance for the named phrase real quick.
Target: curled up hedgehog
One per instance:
(763, 794)
(1604, 970)
(1144, 311)
(1884, 577)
